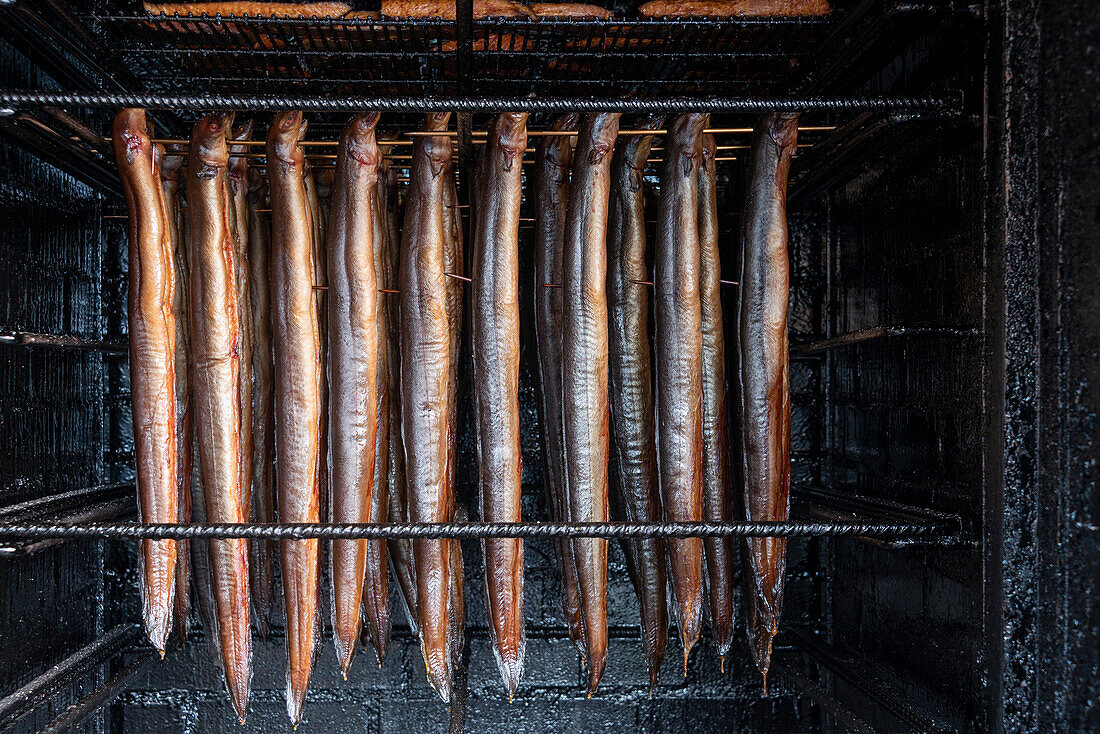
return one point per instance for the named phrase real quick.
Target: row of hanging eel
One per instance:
(665, 439)
(235, 322)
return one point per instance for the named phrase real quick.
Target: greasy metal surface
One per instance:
(51, 434)
(44, 688)
(900, 361)
(1042, 539)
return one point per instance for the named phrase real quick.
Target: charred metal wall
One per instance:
(1042, 544)
(898, 236)
(53, 423)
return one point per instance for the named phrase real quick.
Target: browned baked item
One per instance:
(445, 9)
(363, 15)
(733, 8)
(254, 9)
(569, 10)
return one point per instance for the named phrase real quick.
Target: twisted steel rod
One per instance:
(470, 530)
(429, 103)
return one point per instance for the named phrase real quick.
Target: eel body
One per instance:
(584, 370)
(718, 553)
(678, 345)
(216, 371)
(152, 361)
(553, 158)
(298, 395)
(353, 318)
(496, 326)
(427, 397)
(635, 492)
(765, 394)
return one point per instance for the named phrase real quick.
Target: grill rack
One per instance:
(520, 56)
(946, 104)
(472, 530)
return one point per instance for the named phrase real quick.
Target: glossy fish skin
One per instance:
(553, 158)
(152, 362)
(765, 382)
(298, 405)
(635, 493)
(376, 589)
(585, 408)
(216, 369)
(495, 323)
(399, 549)
(236, 174)
(718, 553)
(170, 182)
(354, 377)
(200, 549)
(320, 281)
(427, 404)
(262, 563)
(678, 346)
(200, 557)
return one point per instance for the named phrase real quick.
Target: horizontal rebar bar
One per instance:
(91, 703)
(877, 332)
(70, 671)
(62, 341)
(468, 530)
(429, 103)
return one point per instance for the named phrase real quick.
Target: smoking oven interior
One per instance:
(908, 322)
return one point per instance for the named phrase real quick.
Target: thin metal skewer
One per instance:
(482, 134)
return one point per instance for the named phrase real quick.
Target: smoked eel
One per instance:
(635, 494)
(765, 383)
(216, 369)
(262, 564)
(152, 361)
(376, 590)
(553, 158)
(584, 370)
(718, 553)
(298, 405)
(170, 182)
(495, 323)
(354, 360)
(427, 397)
(399, 549)
(678, 343)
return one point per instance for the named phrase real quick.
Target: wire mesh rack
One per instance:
(512, 56)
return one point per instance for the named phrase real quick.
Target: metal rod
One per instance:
(469, 530)
(876, 332)
(71, 501)
(574, 133)
(823, 698)
(482, 134)
(69, 671)
(896, 702)
(427, 103)
(91, 703)
(818, 504)
(118, 509)
(29, 339)
(386, 156)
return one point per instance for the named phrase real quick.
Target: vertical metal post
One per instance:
(464, 36)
